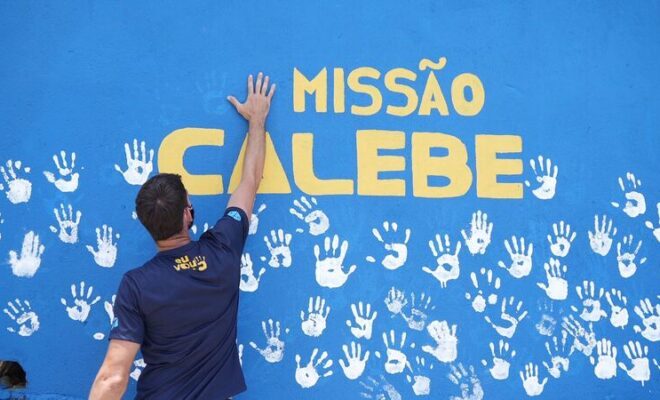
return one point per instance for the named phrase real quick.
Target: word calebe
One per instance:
(452, 166)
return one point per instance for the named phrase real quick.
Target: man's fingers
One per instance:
(272, 91)
(233, 101)
(258, 87)
(250, 85)
(264, 88)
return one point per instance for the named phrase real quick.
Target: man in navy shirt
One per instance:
(180, 308)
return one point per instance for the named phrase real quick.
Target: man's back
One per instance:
(182, 307)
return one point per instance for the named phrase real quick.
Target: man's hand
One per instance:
(256, 106)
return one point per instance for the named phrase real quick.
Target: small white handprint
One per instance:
(417, 318)
(364, 320)
(396, 358)
(138, 365)
(67, 181)
(448, 266)
(468, 383)
(254, 220)
(521, 260)
(560, 244)
(655, 229)
(68, 228)
(592, 310)
(330, 269)
(274, 350)
(280, 252)
(480, 232)
(18, 189)
(382, 390)
(650, 316)
(501, 360)
(487, 293)
(560, 355)
(313, 324)
(546, 325)
(397, 250)
(530, 380)
(28, 264)
(418, 377)
(355, 363)
(637, 355)
(584, 341)
(546, 176)
(395, 301)
(626, 261)
(618, 310)
(601, 238)
(21, 313)
(309, 213)
(635, 201)
(82, 303)
(557, 287)
(446, 341)
(249, 281)
(510, 321)
(606, 366)
(308, 375)
(138, 167)
(106, 254)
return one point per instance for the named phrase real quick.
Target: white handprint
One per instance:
(397, 250)
(656, 229)
(382, 390)
(364, 321)
(560, 356)
(501, 360)
(584, 341)
(19, 190)
(650, 316)
(316, 219)
(600, 239)
(448, 267)
(274, 350)
(106, 254)
(469, 384)
(480, 299)
(82, 304)
(254, 220)
(640, 370)
(68, 228)
(626, 260)
(28, 264)
(396, 358)
(355, 363)
(521, 261)
(2, 221)
(314, 323)
(510, 322)
(561, 243)
(138, 365)
(557, 287)
(108, 306)
(545, 177)
(530, 380)
(279, 248)
(547, 323)
(21, 313)
(330, 269)
(480, 233)
(590, 298)
(307, 376)
(67, 180)
(606, 366)
(249, 282)
(618, 310)
(421, 382)
(635, 201)
(417, 318)
(137, 167)
(395, 301)
(446, 341)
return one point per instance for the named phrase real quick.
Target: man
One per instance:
(180, 308)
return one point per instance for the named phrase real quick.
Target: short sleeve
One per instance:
(231, 230)
(128, 323)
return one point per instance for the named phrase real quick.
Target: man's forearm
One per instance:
(255, 153)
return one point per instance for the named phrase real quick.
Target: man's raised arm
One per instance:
(255, 110)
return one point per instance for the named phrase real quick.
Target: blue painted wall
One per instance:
(577, 81)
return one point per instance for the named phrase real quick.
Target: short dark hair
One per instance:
(160, 203)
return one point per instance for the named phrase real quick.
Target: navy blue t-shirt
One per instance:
(182, 306)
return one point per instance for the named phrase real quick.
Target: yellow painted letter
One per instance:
(274, 178)
(392, 85)
(371, 91)
(317, 86)
(369, 163)
(489, 166)
(453, 166)
(303, 169)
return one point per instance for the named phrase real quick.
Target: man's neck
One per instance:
(172, 242)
